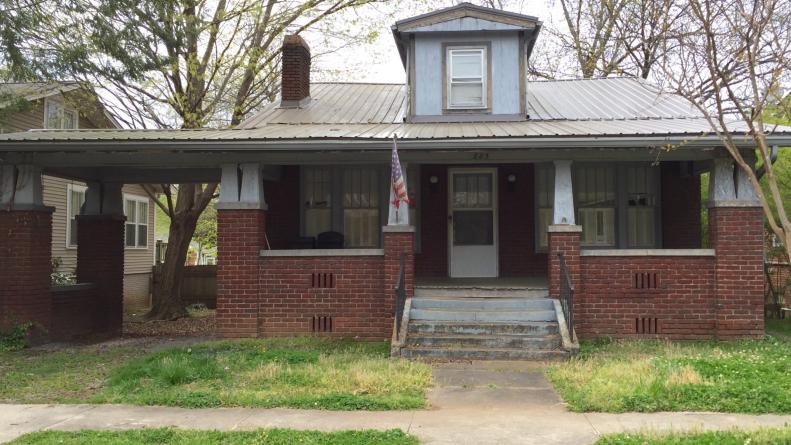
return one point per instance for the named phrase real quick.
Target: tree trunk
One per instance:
(167, 304)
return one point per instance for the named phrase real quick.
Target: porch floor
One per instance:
(515, 283)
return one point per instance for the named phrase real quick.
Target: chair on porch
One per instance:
(329, 240)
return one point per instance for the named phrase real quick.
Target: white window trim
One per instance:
(69, 189)
(65, 108)
(137, 198)
(449, 77)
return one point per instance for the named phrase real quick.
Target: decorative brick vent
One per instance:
(645, 280)
(646, 325)
(321, 323)
(322, 280)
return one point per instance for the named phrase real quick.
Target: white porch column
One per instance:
(20, 187)
(564, 194)
(242, 187)
(721, 185)
(103, 198)
(397, 216)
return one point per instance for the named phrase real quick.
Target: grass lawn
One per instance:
(185, 437)
(301, 373)
(758, 437)
(648, 376)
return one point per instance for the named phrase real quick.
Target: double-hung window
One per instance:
(641, 185)
(361, 206)
(75, 200)
(58, 117)
(136, 210)
(595, 196)
(466, 77)
(317, 199)
(545, 197)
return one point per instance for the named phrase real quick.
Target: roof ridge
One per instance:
(580, 79)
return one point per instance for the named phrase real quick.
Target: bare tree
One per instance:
(734, 68)
(171, 64)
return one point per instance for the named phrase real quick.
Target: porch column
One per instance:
(25, 251)
(736, 230)
(564, 234)
(241, 234)
(100, 253)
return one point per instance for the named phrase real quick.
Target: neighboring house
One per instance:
(520, 190)
(66, 106)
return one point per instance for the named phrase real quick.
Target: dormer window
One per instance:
(466, 77)
(56, 116)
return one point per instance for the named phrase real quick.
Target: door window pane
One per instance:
(472, 190)
(473, 228)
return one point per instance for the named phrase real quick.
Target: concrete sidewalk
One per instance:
(487, 403)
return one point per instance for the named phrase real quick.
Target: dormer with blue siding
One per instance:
(466, 63)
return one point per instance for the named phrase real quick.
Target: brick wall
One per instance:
(680, 208)
(736, 234)
(349, 289)
(25, 238)
(240, 237)
(282, 217)
(567, 243)
(517, 249)
(609, 301)
(75, 311)
(100, 260)
(295, 84)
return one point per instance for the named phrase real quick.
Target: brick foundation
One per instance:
(396, 243)
(25, 268)
(324, 295)
(736, 234)
(100, 260)
(240, 237)
(644, 296)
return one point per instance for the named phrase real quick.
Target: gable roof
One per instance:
(32, 91)
(466, 17)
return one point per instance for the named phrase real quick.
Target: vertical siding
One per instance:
(429, 76)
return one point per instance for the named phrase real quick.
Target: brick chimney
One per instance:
(295, 77)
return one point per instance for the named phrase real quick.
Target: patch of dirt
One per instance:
(201, 325)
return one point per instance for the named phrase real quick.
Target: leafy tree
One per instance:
(171, 64)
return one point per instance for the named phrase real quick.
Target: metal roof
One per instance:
(617, 108)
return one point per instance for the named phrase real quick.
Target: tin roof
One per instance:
(594, 108)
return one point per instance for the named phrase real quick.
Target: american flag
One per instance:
(397, 183)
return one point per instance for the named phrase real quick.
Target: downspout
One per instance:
(772, 159)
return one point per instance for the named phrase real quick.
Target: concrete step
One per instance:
(477, 303)
(537, 328)
(483, 354)
(547, 342)
(481, 292)
(482, 315)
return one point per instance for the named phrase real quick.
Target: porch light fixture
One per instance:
(433, 179)
(512, 178)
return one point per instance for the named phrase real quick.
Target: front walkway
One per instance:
(482, 403)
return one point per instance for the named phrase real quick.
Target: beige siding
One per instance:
(137, 294)
(33, 117)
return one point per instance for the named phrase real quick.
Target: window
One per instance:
(317, 198)
(56, 116)
(594, 196)
(75, 198)
(361, 207)
(641, 206)
(545, 201)
(360, 192)
(466, 72)
(136, 210)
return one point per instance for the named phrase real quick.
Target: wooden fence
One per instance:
(199, 286)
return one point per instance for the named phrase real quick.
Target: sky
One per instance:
(379, 61)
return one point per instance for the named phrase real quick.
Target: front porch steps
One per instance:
(473, 323)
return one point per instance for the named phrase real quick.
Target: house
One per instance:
(65, 106)
(585, 191)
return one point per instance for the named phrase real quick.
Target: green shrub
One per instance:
(16, 338)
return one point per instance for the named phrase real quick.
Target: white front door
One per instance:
(473, 222)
